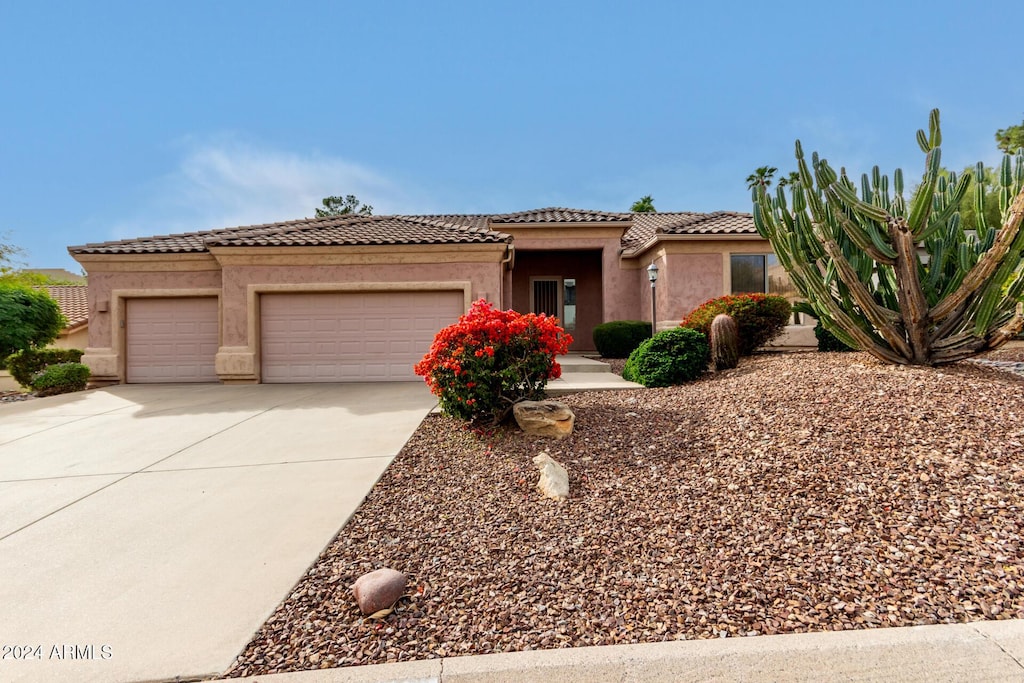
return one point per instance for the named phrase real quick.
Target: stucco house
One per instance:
(359, 298)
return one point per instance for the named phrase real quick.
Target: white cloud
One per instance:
(224, 183)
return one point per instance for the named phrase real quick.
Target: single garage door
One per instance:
(351, 336)
(171, 340)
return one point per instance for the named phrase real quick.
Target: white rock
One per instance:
(554, 480)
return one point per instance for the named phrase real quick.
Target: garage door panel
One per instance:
(352, 336)
(171, 340)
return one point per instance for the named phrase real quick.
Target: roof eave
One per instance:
(628, 252)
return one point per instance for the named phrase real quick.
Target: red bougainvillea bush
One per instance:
(483, 364)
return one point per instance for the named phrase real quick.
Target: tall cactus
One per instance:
(902, 279)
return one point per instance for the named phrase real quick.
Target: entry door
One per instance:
(555, 296)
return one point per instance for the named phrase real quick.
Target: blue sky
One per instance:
(122, 119)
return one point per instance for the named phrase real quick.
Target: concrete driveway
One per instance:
(147, 531)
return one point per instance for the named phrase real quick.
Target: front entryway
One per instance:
(566, 284)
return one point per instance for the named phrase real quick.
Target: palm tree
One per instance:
(643, 205)
(792, 179)
(761, 176)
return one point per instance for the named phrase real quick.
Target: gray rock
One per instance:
(379, 589)
(544, 418)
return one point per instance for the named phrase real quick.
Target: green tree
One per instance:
(1011, 138)
(902, 279)
(643, 205)
(761, 177)
(342, 206)
(10, 274)
(29, 318)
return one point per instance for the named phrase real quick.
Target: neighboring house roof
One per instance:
(639, 230)
(57, 274)
(74, 304)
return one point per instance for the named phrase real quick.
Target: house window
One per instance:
(760, 273)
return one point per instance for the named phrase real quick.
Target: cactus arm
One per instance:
(875, 314)
(953, 322)
(863, 340)
(921, 206)
(1008, 331)
(987, 264)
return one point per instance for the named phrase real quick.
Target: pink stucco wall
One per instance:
(690, 280)
(103, 284)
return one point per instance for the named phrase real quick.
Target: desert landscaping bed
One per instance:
(799, 492)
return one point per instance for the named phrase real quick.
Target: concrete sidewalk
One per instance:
(981, 651)
(146, 532)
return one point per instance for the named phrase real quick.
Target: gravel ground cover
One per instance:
(799, 492)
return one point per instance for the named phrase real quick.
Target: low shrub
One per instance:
(24, 365)
(759, 317)
(828, 341)
(618, 338)
(491, 359)
(670, 357)
(61, 378)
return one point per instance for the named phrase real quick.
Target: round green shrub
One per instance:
(618, 338)
(61, 378)
(760, 317)
(24, 365)
(828, 341)
(669, 357)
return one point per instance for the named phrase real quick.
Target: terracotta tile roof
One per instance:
(360, 230)
(74, 303)
(558, 215)
(647, 225)
(638, 230)
(182, 243)
(329, 231)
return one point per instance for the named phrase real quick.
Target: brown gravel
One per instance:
(799, 492)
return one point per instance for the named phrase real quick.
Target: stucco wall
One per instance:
(79, 339)
(104, 285)
(691, 271)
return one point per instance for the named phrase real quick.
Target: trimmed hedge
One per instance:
(618, 338)
(24, 365)
(828, 341)
(61, 378)
(669, 357)
(760, 317)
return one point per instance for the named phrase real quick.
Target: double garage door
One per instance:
(307, 337)
(350, 336)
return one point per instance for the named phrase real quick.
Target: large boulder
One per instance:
(554, 480)
(379, 589)
(544, 418)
